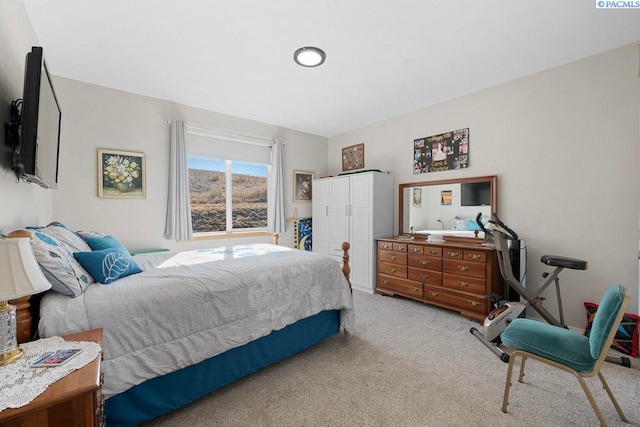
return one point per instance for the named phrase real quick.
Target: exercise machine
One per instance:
(507, 245)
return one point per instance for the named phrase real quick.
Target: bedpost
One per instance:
(346, 270)
(275, 238)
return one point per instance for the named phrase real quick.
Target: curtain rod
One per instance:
(227, 135)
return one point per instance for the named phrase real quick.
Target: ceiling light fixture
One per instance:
(309, 56)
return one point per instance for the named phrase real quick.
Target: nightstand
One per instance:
(73, 401)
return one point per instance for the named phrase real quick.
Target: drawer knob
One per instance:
(393, 257)
(463, 284)
(424, 276)
(424, 262)
(433, 252)
(392, 270)
(385, 246)
(474, 256)
(474, 303)
(386, 282)
(415, 249)
(451, 253)
(463, 268)
(414, 289)
(435, 294)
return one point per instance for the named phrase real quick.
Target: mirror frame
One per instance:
(492, 179)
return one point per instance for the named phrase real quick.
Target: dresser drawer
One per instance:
(432, 251)
(425, 276)
(386, 246)
(423, 261)
(477, 256)
(453, 253)
(465, 268)
(392, 269)
(399, 247)
(464, 283)
(400, 286)
(455, 300)
(416, 249)
(392, 257)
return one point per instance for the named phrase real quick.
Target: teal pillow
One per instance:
(98, 241)
(472, 225)
(107, 265)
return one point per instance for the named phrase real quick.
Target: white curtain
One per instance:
(275, 202)
(178, 226)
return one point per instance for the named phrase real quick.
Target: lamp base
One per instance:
(10, 356)
(9, 351)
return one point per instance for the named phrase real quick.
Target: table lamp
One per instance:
(20, 275)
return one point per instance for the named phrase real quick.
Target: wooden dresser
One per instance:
(73, 401)
(453, 275)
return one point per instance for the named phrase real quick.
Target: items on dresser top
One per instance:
(20, 383)
(75, 400)
(454, 275)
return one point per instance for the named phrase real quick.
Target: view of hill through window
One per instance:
(208, 201)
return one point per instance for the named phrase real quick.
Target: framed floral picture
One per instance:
(302, 186)
(121, 174)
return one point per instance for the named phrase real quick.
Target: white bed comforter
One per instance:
(187, 307)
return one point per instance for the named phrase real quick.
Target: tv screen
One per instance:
(37, 159)
(476, 194)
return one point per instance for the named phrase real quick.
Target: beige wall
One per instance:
(19, 202)
(97, 117)
(564, 144)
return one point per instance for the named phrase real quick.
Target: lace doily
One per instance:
(20, 384)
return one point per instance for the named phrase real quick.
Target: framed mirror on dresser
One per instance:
(447, 207)
(440, 256)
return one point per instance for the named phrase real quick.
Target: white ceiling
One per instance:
(384, 58)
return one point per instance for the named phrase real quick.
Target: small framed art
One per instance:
(121, 174)
(353, 157)
(302, 182)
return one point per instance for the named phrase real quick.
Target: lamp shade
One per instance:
(20, 274)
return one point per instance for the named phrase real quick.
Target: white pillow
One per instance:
(59, 266)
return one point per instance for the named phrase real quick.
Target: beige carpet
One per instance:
(408, 364)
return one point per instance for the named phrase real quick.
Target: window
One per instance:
(227, 181)
(227, 195)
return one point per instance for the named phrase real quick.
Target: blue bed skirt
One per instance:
(161, 395)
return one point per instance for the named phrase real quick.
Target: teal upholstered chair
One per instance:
(570, 351)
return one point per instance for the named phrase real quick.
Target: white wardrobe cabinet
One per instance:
(354, 208)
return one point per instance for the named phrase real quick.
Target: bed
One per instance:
(191, 322)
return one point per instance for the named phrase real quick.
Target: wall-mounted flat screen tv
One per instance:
(475, 194)
(36, 157)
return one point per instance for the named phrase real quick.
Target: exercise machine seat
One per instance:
(561, 261)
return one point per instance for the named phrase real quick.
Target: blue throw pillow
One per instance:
(472, 225)
(107, 265)
(98, 241)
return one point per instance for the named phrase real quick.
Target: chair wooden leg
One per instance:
(613, 399)
(521, 376)
(507, 385)
(594, 405)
